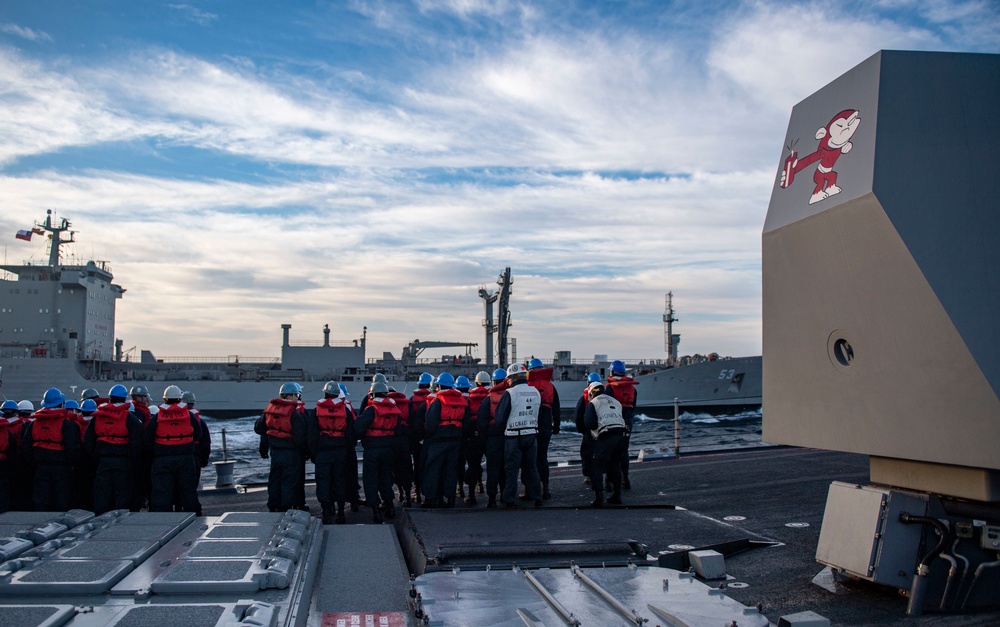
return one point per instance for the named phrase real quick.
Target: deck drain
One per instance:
(737, 584)
(734, 518)
(797, 525)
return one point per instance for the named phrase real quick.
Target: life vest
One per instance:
(496, 393)
(541, 380)
(47, 431)
(623, 389)
(173, 425)
(110, 423)
(331, 414)
(524, 404)
(278, 417)
(403, 404)
(430, 399)
(419, 396)
(142, 411)
(476, 398)
(9, 432)
(453, 407)
(386, 420)
(609, 414)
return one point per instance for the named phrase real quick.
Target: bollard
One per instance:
(677, 427)
(223, 444)
(224, 469)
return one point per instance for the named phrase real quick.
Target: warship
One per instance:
(59, 330)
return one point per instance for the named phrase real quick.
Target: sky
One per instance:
(243, 164)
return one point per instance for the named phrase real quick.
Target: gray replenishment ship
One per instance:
(57, 328)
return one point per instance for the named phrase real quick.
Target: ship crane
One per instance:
(412, 350)
(502, 324)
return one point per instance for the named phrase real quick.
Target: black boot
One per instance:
(598, 500)
(492, 503)
(340, 518)
(545, 491)
(327, 515)
(616, 498)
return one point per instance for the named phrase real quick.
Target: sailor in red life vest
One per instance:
(329, 435)
(168, 439)
(10, 427)
(622, 387)
(402, 471)
(378, 425)
(282, 431)
(202, 447)
(604, 418)
(517, 413)
(473, 447)
(540, 378)
(587, 441)
(51, 444)
(418, 412)
(447, 420)
(114, 438)
(140, 403)
(142, 409)
(353, 478)
(491, 436)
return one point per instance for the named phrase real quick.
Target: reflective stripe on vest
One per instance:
(609, 414)
(331, 414)
(173, 425)
(110, 423)
(453, 406)
(524, 404)
(47, 429)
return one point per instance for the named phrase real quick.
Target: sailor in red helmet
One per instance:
(378, 425)
(169, 440)
(517, 413)
(447, 420)
(282, 431)
(330, 434)
(540, 378)
(114, 439)
(52, 445)
(622, 387)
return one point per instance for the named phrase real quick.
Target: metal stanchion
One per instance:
(677, 427)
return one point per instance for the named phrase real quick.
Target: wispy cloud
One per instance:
(24, 32)
(195, 14)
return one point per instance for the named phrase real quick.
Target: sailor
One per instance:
(492, 438)
(447, 420)
(353, 479)
(378, 425)
(603, 417)
(622, 388)
(282, 430)
(86, 466)
(402, 472)
(418, 410)
(169, 440)
(330, 433)
(473, 447)
(540, 378)
(517, 413)
(587, 441)
(114, 439)
(22, 474)
(462, 384)
(140, 403)
(202, 447)
(141, 408)
(94, 395)
(9, 440)
(51, 444)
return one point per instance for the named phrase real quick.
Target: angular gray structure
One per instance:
(881, 273)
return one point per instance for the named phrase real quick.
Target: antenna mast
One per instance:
(56, 236)
(670, 341)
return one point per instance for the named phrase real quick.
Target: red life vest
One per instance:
(623, 389)
(9, 432)
(173, 425)
(331, 414)
(142, 411)
(453, 406)
(496, 393)
(386, 420)
(278, 417)
(476, 398)
(419, 396)
(47, 429)
(541, 380)
(110, 423)
(430, 399)
(403, 404)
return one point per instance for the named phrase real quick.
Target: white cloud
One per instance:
(25, 32)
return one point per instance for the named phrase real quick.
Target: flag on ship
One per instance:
(38, 231)
(25, 235)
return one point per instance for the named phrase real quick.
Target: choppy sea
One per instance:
(651, 438)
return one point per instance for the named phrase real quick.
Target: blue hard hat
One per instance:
(499, 374)
(53, 398)
(71, 404)
(88, 405)
(289, 388)
(425, 378)
(462, 382)
(535, 363)
(618, 366)
(445, 380)
(118, 391)
(343, 388)
(593, 377)
(9, 405)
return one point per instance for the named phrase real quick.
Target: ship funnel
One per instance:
(284, 334)
(326, 335)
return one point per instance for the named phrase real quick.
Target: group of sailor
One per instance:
(102, 454)
(431, 445)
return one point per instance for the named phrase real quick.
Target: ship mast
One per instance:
(502, 324)
(670, 342)
(56, 236)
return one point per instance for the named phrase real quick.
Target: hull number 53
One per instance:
(726, 374)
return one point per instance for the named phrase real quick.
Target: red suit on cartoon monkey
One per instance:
(834, 139)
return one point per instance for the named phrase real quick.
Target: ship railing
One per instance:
(337, 343)
(232, 360)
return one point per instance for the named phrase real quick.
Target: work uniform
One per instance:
(548, 420)
(51, 444)
(282, 430)
(492, 438)
(623, 390)
(169, 442)
(517, 414)
(378, 426)
(330, 434)
(418, 411)
(402, 465)
(85, 469)
(447, 420)
(473, 446)
(604, 419)
(8, 455)
(202, 453)
(587, 440)
(114, 440)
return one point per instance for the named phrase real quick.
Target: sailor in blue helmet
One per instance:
(446, 422)
(8, 449)
(622, 387)
(330, 433)
(587, 441)
(52, 444)
(540, 378)
(282, 431)
(378, 425)
(517, 413)
(114, 438)
(491, 436)
(169, 439)
(603, 417)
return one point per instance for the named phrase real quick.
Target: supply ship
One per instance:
(58, 329)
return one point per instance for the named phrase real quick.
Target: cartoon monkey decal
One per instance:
(834, 140)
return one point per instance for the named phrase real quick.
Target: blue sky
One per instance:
(244, 164)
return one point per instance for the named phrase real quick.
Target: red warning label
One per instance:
(364, 619)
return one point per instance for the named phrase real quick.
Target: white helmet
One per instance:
(172, 393)
(482, 377)
(515, 370)
(26, 405)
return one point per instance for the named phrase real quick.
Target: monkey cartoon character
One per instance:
(834, 140)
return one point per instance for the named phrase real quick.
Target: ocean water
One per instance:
(651, 437)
